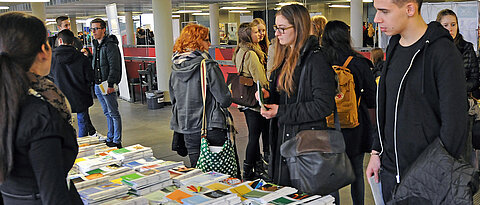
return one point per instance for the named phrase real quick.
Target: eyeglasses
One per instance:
(282, 30)
(95, 29)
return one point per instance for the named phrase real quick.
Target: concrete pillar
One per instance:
(73, 25)
(38, 10)
(356, 30)
(130, 28)
(214, 34)
(163, 31)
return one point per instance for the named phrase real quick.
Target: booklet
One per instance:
(376, 190)
(104, 86)
(261, 100)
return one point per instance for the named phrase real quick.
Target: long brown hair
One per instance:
(298, 16)
(264, 43)
(448, 12)
(15, 61)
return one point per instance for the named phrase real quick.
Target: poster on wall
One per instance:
(222, 33)
(232, 31)
(467, 13)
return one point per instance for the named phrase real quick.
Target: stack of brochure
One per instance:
(146, 181)
(132, 153)
(102, 193)
(92, 162)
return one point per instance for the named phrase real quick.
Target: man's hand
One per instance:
(373, 167)
(110, 90)
(271, 112)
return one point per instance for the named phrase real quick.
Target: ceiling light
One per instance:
(201, 14)
(17, 1)
(278, 8)
(364, 1)
(175, 16)
(238, 11)
(187, 11)
(50, 20)
(4, 7)
(288, 3)
(233, 8)
(339, 6)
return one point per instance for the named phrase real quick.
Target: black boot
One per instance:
(261, 170)
(248, 173)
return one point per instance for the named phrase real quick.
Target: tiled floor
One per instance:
(152, 128)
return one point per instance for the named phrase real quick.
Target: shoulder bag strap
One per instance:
(300, 90)
(347, 61)
(243, 60)
(203, 81)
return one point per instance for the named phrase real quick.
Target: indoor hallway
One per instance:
(152, 128)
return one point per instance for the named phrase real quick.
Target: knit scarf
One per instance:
(46, 90)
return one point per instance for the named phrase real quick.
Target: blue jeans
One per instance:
(110, 109)
(85, 126)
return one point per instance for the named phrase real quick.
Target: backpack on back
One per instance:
(346, 99)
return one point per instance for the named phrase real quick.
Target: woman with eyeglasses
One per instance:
(189, 50)
(38, 143)
(250, 62)
(296, 50)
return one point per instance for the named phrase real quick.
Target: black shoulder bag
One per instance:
(316, 159)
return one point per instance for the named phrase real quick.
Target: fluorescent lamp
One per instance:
(187, 11)
(50, 20)
(4, 7)
(17, 1)
(339, 6)
(364, 1)
(238, 11)
(233, 8)
(201, 14)
(288, 3)
(175, 16)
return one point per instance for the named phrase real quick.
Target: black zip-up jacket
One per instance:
(470, 63)
(186, 95)
(432, 102)
(317, 101)
(107, 62)
(72, 72)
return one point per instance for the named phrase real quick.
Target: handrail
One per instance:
(140, 58)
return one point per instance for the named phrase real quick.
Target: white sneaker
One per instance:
(100, 137)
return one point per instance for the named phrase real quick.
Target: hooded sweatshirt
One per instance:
(431, 102)
(71, 71)
(186, 94)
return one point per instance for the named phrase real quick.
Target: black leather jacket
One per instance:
(107, 58)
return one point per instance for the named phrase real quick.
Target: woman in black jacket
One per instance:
(336, 44)
(38, 144)
(449, 21)
(296, 51)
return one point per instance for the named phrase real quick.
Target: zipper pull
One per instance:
(398, 179)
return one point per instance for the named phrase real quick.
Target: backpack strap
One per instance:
(347, 61)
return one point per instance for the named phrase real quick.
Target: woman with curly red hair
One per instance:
(186, 95)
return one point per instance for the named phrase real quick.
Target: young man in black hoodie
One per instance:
(72, 72)
(421, 94)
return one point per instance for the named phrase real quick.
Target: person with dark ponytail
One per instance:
(38, 144)
(337, 46)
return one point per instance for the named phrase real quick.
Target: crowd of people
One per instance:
(419, 93)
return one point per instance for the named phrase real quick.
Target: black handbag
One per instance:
(242, 88)
(316, 159)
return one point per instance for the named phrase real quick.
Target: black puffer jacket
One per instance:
(470, 63)
(109, 60)
(72, 72)
(186, 94)
(316, 102)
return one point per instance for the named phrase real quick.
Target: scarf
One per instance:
(46, 90)
(179, 58)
